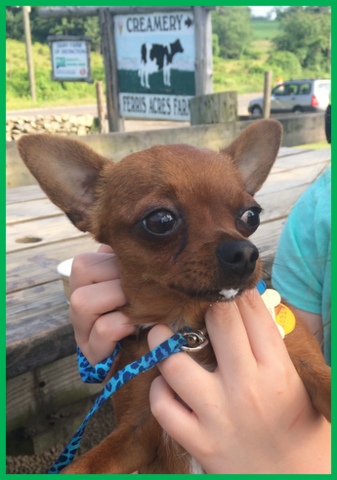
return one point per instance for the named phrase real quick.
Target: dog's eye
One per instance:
(251, 217)
(160, 222)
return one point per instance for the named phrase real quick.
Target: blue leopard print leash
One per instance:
(177, 343)
(187, 340)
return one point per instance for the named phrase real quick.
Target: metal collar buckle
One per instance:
(196, 340)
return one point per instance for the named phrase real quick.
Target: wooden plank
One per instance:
(35, 311)
(284, 180)
(23, 194)
(39, 232)
(36, 266)
(38, 328)
(276, 205)
(31, 210)
(45, 390)
(301, 159)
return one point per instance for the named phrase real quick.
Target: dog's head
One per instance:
(177, 217)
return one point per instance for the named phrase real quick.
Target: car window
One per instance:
(285, 89)
(304, 89)
(280, 90)
(292, 89)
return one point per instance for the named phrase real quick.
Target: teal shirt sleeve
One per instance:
(302, 267)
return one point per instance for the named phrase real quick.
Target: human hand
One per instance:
(252, 414)
(96, 294)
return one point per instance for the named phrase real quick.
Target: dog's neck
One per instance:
(151, 304)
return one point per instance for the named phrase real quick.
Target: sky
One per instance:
(261, 11)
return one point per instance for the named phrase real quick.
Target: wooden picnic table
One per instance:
(41, 362)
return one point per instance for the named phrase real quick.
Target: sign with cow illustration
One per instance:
(156, 64)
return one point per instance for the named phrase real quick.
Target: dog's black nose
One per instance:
(237, 257)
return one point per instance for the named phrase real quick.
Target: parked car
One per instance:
(296, 96)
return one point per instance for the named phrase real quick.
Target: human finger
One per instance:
(264, 336)
(105, 333)
(184, 375)
(90, 301)
(229, 338)
(88, 268)
(105, 249)
(170, 413)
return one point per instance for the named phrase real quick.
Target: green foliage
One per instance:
(215, 45)
(14, 23)
(306, 33)
(42, 27)
(233, 28)
(283, 61)
(283, 12)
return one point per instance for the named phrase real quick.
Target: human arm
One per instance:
(252, 414)
(301, 272)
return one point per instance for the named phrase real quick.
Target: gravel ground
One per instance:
(98, 428)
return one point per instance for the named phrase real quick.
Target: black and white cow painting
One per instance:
(156, 57)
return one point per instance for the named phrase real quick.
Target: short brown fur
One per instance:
(172, 277)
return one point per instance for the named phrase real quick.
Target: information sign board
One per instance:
(70, 59)
(156, 64)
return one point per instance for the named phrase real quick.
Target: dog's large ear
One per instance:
(254, 152)
(67, 170)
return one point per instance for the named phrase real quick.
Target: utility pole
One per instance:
(26, 25)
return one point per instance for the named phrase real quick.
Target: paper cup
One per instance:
(64, 269)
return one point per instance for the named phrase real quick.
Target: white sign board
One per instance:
(70, 60)
(156, 64)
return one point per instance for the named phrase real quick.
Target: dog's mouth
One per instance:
(230, 293)
(225, 294)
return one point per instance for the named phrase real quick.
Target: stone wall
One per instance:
(62, 124)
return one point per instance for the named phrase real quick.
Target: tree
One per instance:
(233, 28)
(14, 23)
(306, 33)
(42, 27)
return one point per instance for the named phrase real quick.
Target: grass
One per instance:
(48, 92)
(264, 30)
(244, 76)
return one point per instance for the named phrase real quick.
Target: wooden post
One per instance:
(203, 51)
(266, 93)
(214, 108)
(28, 39)
(100, 107)
(110, 68)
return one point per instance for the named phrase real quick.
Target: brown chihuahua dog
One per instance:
(178, 219)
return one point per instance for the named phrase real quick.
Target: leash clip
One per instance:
(196, 341)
